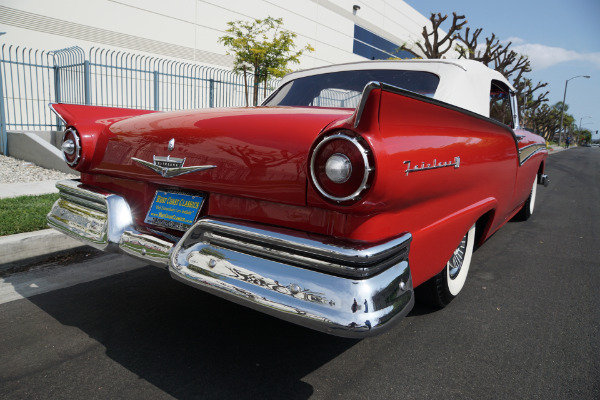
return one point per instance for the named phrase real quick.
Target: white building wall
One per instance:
(189, 29)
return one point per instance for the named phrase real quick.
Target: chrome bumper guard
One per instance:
(104, 221)
(345, 289)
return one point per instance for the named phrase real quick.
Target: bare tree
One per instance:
(493, 53)
(470, 46)
(435, 46)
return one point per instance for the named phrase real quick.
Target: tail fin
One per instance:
(83, 128)
(81, 115)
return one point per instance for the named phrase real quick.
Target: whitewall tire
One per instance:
(529, 205)
(440, 290)
(457, 267)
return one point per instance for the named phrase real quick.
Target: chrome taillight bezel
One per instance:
(368, 163)
(72, 158)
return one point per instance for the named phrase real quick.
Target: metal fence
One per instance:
(31, 79)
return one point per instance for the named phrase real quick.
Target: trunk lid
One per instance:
(254, 152)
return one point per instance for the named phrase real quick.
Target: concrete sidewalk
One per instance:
(553, 149)
(27, 189)
(21, 247)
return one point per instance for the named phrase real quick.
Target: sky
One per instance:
(561, 39)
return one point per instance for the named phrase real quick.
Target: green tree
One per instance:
(585, 136)
(261, 48)
(545, 120)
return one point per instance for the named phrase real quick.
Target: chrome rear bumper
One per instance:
(104, 220)
(343, 288)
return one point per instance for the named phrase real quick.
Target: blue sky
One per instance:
(561, 38)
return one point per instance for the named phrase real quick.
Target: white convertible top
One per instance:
(463, 83)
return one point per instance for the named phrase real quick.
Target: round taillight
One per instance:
(341, 167)
(71, 147)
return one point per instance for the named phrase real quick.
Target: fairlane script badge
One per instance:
(434, 165)
(169, 166)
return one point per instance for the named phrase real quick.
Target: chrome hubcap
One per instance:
(456, 261)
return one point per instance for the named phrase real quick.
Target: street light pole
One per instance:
(581, 119)
(562, 111)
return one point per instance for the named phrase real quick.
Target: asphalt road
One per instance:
(525, 326)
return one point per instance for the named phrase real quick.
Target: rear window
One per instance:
(343, 89)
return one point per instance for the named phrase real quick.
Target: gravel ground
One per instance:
(13, 170)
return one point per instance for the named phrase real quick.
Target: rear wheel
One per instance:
(529, 205)
(440, 290)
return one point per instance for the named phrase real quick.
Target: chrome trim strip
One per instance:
(51, 105)
(525, 153)
(363, 100)
(342, 306)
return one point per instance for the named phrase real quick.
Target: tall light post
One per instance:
(581, 119)
(562, 111)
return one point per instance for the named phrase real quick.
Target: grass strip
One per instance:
(25, 213)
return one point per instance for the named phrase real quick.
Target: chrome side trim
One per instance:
(525, 153)
(363, 100)
(342, 306)
(51, 105)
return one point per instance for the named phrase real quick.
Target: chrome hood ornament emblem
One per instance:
(170, 167)
(171, 145)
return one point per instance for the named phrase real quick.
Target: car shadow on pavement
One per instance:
(185, 342)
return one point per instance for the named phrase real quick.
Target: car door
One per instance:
(503, 107)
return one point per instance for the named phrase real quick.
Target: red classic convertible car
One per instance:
(349, 190)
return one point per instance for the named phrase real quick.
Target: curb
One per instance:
(29, 245)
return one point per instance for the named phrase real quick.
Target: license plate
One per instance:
(174, 210)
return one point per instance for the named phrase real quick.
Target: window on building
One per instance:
(372, 46)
